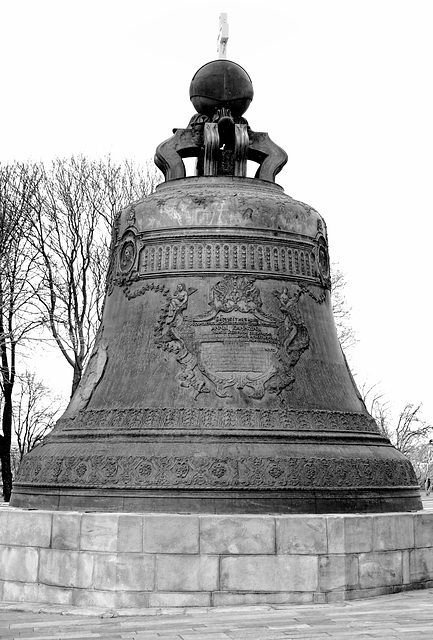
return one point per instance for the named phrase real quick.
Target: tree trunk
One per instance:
(78, 371)
(5, 444)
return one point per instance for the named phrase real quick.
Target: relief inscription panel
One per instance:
(236, 347)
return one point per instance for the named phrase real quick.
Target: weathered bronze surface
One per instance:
(217, 383)
(221, 83)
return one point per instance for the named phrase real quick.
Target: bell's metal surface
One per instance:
(217, 383)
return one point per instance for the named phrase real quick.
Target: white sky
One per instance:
(344, 86)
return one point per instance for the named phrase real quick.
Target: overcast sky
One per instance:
(345, 87)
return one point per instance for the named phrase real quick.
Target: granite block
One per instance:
(19, 564)
(186, 573)
(170, 534)
(301, 535)
(374, 592)
(105, 570)
(423, 525)
(335, 534)
(357, 537)
(319, 598)
(66, 531)
(229, 599)
(59, 567)
(99, 532)
(380, 569)
(54, 595)
(405, 559)
(421, 564)
(393, 531)
(335, 596)
(269, 573)
(135, 572)
(132, 599)
(199, 599)
(332, 573)
(25, 528)
(124, 572)
(130, 533)
(238, 535)
(20, 592)
(88, 598)
(352, 570)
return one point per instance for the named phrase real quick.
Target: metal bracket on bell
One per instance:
(222, 148)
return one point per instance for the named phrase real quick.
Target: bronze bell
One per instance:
(217, 383)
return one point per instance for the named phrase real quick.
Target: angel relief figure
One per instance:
(294, 337)
(178, 303)
(289, 307)
(171, 337)
(172, 316)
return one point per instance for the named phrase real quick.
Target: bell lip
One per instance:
(359, 501)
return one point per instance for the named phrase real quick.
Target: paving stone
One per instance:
(231, 534)
(301, 534)
(170, 534)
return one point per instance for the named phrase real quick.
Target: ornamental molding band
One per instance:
(236, 346)
(217, 383)
(140, 258)
(200, 419)
(206, 473)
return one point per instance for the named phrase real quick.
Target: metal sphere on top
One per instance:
(221, 83)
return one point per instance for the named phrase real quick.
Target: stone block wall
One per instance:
(158, 560)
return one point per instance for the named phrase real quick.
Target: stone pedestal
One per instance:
(120, 560)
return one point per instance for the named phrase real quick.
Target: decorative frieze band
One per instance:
(163, 418)
(226, 256)
(210, 473)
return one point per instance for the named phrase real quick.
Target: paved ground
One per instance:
(408, 615)
(405, 615)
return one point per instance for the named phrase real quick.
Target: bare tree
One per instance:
(409, 432)
(341, 310)
(34, 413)
(18, 318)
(77, 203)
(411, 429)
(378, 407)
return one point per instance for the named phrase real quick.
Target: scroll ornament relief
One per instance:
(209, 472)
(235, 345)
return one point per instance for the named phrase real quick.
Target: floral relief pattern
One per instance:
(253, 473)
